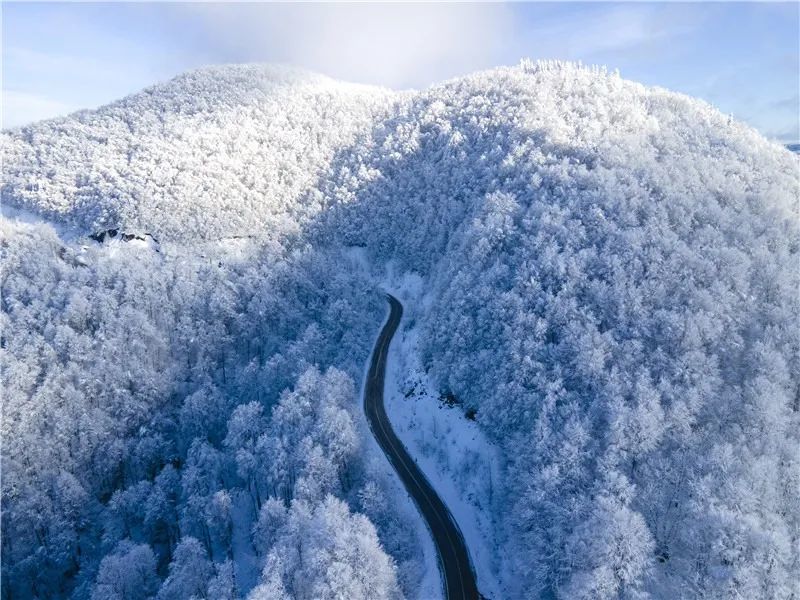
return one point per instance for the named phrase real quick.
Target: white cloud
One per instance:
(401, 45)
(599, 31)
(21, 108)
(396, 45)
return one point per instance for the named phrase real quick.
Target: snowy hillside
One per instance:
(209, 154)
(608, 284)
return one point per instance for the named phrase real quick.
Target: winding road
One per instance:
(458, 577)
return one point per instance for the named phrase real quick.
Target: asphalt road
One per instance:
(458, 577)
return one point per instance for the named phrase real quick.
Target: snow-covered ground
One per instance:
(451, 450)
(430, 586)
(245, 562)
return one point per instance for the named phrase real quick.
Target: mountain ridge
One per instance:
(223, 124)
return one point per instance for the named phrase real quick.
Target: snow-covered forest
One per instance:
(609, 285)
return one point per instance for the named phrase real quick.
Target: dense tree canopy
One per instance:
(611, 285)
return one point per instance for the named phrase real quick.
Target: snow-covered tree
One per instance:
(189, 572)
(327, 552)
(129, 573)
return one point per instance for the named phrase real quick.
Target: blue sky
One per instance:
(744, 58)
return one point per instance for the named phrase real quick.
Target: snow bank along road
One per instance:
(457, 575)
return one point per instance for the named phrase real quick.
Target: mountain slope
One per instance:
(206, 155)
(610, 286)
(613, 287)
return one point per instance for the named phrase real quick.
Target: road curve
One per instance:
(458, 577)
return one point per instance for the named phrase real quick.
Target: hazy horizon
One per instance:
(742, 58)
